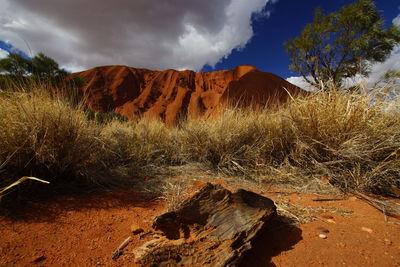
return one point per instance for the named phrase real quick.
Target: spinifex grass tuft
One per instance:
(352, 139)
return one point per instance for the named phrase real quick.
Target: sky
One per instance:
(169, 34)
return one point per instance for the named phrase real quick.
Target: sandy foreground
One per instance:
(84, 230)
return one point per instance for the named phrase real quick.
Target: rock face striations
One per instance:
(171, 95)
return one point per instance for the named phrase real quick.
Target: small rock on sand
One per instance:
(322, 236)
(136, 229)
(366, 229)
(38, 259)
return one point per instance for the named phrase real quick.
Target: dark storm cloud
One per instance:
(142, 33)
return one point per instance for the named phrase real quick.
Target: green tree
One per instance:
(46, 68)
(40, 67)
(15, 65)
(341, 45)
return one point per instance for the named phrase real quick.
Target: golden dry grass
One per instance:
(45, 134)
(353, 139)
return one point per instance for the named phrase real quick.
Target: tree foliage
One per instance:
(15, 65)
(40, 67)
(45, 67)
(341, 45)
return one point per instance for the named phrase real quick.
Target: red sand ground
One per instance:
(84, 230)
(169, 95)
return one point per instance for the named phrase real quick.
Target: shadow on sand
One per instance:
(47, 209)
(278, 236)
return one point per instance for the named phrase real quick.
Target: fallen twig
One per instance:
(21, 180)
(381, 205)
(327, 199)
(119, 251)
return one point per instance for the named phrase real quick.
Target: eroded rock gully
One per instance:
(172, 95)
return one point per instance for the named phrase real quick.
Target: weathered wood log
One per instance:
(213, 228)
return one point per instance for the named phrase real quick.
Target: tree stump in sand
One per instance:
(213, 228)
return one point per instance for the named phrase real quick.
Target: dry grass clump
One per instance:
(137, 148)
(236, 142)
(351, 138)
(45, 137)
(230, 142)
(297, 214)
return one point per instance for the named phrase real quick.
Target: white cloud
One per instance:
(301, 82)
(3, 53)
(142, 33)
(396, 20)
(73, 67)
(391, 63)
(379, 69)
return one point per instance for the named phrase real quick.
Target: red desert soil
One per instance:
(170, 95)
(84, 230)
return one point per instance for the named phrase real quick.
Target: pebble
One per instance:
(366, 229)
(331, 221)
(322, 236)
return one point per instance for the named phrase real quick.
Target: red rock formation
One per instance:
(170, 94)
